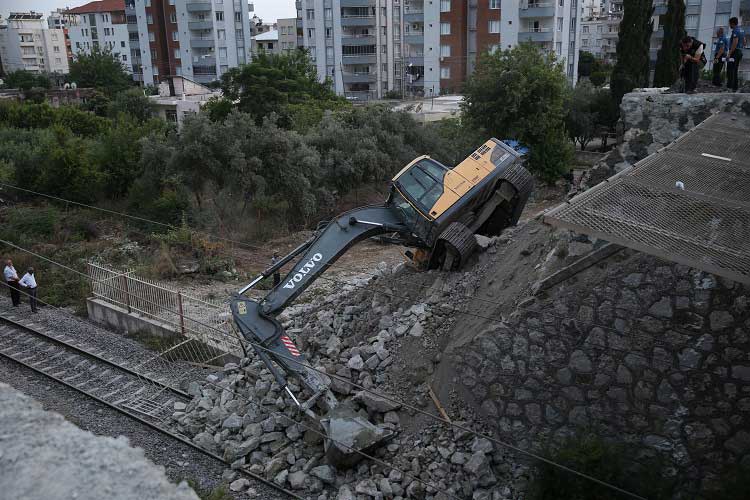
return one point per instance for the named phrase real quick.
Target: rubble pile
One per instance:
(380, 333)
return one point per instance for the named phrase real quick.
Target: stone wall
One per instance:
(651, 120)
(637, 350)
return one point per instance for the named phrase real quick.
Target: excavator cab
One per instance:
(430, 207)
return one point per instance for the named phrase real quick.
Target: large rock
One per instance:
(325, 473)
(375, 403)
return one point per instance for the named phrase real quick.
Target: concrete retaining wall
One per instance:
(118, 319)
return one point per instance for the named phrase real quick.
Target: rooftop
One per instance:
(268, 36)
(99, 6)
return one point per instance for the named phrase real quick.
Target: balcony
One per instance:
(202, 42)
(414, 60)
(198, 6)
(357, 20)
(723, 7)
(539, 35)
(204, 70)
(537, 9)
(200, 25)
(413, 16)
(209, 61)
(359, 77)
(360, 59)
(414, 37)
(357, 3)
(357, 39)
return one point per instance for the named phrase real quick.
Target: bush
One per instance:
(30, 223)
(598, 79)
(612, 463)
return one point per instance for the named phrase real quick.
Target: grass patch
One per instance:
(612, 463)
(218, 493)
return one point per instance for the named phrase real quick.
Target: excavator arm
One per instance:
(256, 320)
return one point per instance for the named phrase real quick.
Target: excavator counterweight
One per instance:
(431, 208)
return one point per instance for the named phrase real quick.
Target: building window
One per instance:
(173, 17)
(599, 29)
(310, 14)
(445, 5)
(329, 33)
(221, 34)
(238, 17)
(328, 14)
(585, 29)
(310, 32)
(445, 51)
(54, 37)
(149, 19)
(559, 23)
(445, 72)
(219, 15)
(148, 3)
(558, 48)
(239, 35)
(495, 4)
(151, 36)
(58, 60)
(153, 54)
(445, 28)
(124, 57)
(122, 44)
(56, 48)
(175, 36)
(585, 42)
(562, 3)
(495, 26)
(329, 52)
(722, 20)
(177, 53)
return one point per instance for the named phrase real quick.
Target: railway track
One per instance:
(144, 397)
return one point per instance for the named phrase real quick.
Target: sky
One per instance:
(268, 10)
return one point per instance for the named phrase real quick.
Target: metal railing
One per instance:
(202, 320)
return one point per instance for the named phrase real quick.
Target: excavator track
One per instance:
(459, 243)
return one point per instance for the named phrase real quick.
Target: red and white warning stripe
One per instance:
(290, 345)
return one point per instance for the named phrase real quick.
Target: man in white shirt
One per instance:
(29, 283)
(11, 278)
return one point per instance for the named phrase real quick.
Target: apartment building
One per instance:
(197, 39)
(59, 19)
(100, 25)
(27, 43)
(553, 25)
(287, 34)
(425, 47)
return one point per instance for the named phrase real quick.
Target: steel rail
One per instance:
(123, 410)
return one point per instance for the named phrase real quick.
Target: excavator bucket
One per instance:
(350, 435)
(347, 432)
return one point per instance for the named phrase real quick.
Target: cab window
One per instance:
(423, 182)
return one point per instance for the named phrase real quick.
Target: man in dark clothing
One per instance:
(720, 56)
(734, 53)
(11, 278)
(692, 60)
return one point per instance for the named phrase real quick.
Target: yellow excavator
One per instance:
(432, 209)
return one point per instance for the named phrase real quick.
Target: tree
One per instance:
(668, 58)
(634, 38)
(598, 79)
(101, 70)
(581, 120)
(272, 82)
(586, 61)
(26, 80)
(133, 103)
(521, 93)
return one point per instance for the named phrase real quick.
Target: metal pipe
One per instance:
(268, 272)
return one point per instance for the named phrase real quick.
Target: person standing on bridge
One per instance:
(29, 283)
(720, 55)
(11, 278)
(734, 54)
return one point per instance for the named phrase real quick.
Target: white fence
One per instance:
(205, 321)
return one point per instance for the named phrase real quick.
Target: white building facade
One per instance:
(100, 25)
(27, 43)
(553, 25)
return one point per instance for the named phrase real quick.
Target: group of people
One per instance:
(28, 282)
(728, 52)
